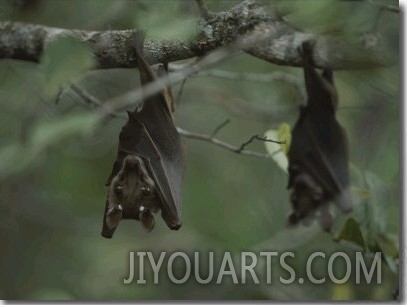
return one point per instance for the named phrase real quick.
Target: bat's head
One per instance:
(132, 194)
(306, 195)
(308, 200)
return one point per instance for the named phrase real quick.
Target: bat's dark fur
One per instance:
(148, 172)
(318, 155)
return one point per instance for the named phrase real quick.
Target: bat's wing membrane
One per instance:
(160, 145)
(329, 165)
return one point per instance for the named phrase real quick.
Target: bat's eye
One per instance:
(118, 190)
(145, 190)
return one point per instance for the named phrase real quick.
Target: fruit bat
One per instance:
(318, 155)
(148, 172)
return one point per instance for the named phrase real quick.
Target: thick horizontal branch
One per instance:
(110, 48)
(280, 44)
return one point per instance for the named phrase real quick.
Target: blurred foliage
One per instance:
(63, 60)
(55, 161)
(351, 234)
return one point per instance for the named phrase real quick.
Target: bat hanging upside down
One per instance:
(148, 172)
(318, 155)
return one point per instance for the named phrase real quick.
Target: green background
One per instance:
(54, 162)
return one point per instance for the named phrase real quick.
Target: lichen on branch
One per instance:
(279, 44)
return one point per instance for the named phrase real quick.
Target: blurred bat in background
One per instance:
(318, 155)
(148, 172)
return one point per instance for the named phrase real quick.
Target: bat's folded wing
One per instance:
(162, 159)
(327, 159)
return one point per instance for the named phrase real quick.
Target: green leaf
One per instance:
(64, 59)
(361, 193)
(284, 135)
(377, 203)
(165, 22)
(389, 247)
(318, 16)
(17, 156)
(275, 150)
(14, 159)
(351, 235)
(54, 131)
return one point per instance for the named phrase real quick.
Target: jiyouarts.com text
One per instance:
(252, 267)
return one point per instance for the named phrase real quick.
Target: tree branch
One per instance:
(217, 129)
(91, 100)
(280, 44)
(236, 149)
(290, 79)
(253, 77)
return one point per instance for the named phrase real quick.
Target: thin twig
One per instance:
(87, 97)
(58, 97)
(203, 9)
(235, 149)
(259, 77)
(192, 135)
(254, 77)
(217, 129)
(134, 97)
(385, 7)
(181, 89)
(380, 9)
(90, 99)
(257, 137)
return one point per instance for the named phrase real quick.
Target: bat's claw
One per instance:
(175, 226)
(306, 50)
